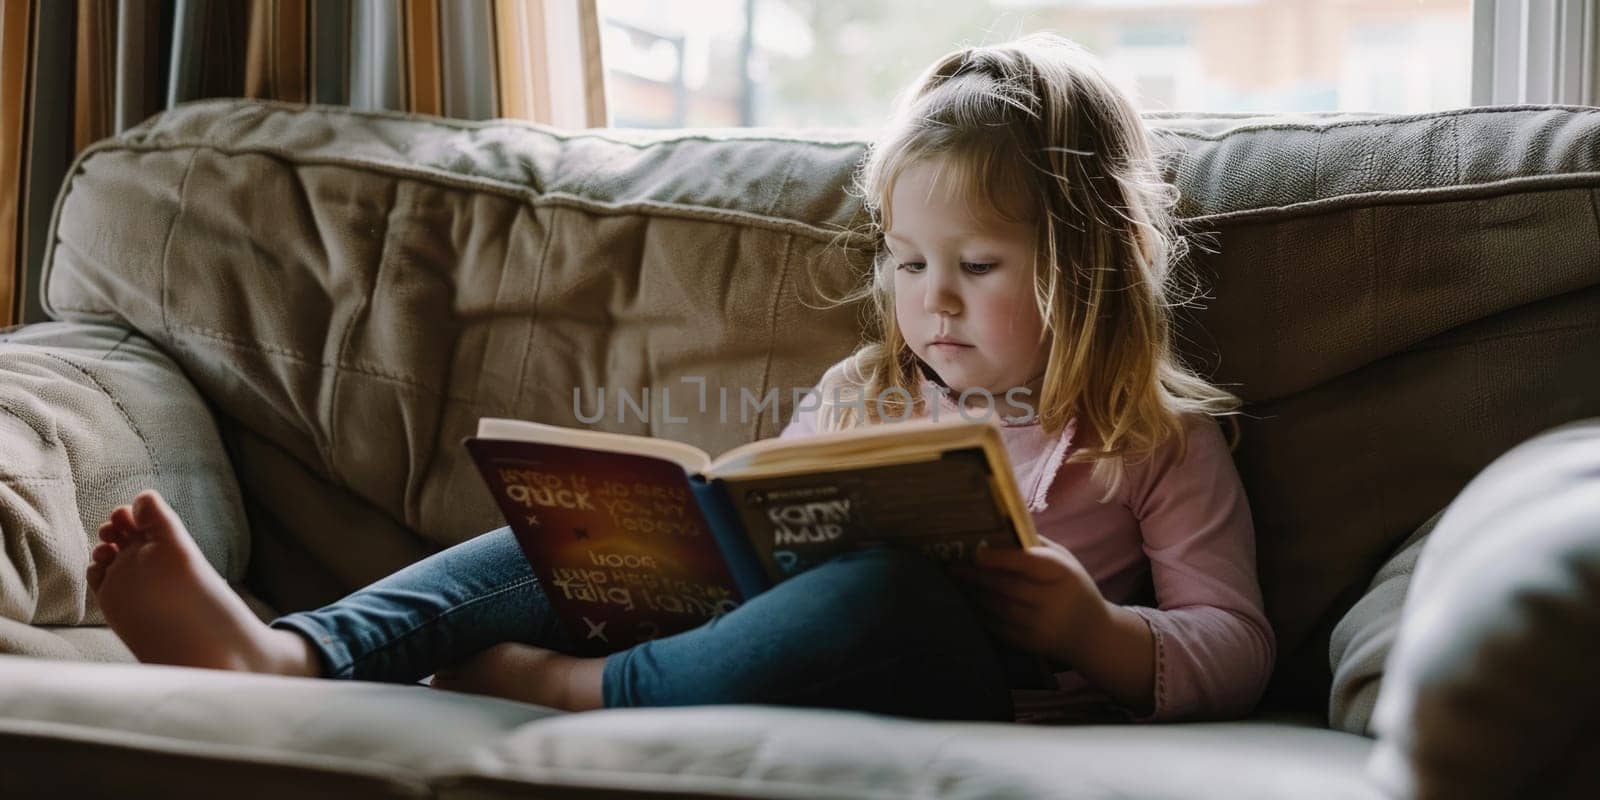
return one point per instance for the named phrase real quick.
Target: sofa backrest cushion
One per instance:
(1398, 299)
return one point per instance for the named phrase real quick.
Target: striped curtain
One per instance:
(73, 72)
(15, 23)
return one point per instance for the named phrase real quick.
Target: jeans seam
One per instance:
(393, 640)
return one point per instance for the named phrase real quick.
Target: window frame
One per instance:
(1535, 51)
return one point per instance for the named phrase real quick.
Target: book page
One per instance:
(692, 459)
(616, 540)
(945, 507)
(863, 446)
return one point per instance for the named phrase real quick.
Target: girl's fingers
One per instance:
(1035, 563)
(1010, 596)
(1006, 586)
(1004, 608)
(1039, 564)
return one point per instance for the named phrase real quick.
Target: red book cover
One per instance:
(616, 540)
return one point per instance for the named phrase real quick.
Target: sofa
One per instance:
(286, 318)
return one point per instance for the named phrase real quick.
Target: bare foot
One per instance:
(167, 603)
(529, 674)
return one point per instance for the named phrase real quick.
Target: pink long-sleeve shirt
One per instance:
(1179, 527)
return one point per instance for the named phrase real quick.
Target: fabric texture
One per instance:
(1175, 543)
(89, 416)
(1500, 635)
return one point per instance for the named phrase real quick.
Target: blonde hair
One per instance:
(1035, 130)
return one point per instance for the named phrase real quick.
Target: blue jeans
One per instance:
(875, 630)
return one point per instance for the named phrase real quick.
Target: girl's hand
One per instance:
(1039, 599)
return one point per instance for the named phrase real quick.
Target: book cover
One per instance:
(944, 508)
(617, 541)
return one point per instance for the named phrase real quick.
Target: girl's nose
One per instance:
(941, 296)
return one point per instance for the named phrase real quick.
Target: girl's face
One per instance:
(963, 290)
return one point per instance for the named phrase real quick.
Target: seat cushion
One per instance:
(198, 727)
(766, 752)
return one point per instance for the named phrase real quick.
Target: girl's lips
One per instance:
(950, 347)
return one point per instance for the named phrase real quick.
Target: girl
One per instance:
(1025, 249)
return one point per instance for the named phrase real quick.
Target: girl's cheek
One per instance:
(905, 309)
(907, 300)
(1001, 314)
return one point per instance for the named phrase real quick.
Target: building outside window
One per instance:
(823, 63)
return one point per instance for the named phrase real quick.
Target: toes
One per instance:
(146, 505)
(119, 529)
(104, 553)
(153, 515)
(122, 518)
(112, 533)
(96, 575)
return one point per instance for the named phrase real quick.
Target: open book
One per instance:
(634, 538)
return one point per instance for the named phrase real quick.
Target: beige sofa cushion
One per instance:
(172, 731)
(90, 415)
(1399, 299)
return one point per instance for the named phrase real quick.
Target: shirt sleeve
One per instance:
(1214, 648)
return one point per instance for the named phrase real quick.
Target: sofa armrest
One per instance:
(1361, 642)
(89, 415)
(1490, 689)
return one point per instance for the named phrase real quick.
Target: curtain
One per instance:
(467, 60)
(277, 57)
(40, 131)
(73, 72)
(144, 31)
(420, 37)
(377, 76)
(14, 51)
(94, 93)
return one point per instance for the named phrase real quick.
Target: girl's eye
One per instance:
(976, 269)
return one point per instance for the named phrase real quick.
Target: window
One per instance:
(816, 63)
